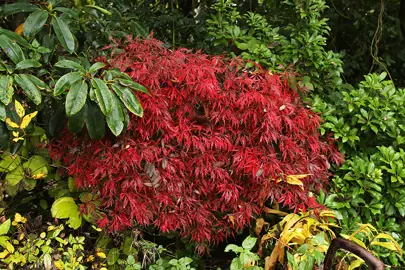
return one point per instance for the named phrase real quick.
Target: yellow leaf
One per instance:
(9, 247)
(21, 236)
(101, 254)
(355, 264)
(19, 109)
(276, 255)
(18, 139)
(27, 119)
(42, 235)
(389, 237)
(19, 30)
(294, 180)
(11, 123)
(38, 176)
(90, 258)
(3, 254)
(19, 218)
(16, 133)
(59, 265)
(387, 245)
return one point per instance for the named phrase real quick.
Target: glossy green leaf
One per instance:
(76, 122)
(6, 89)
(64, 207)
(129, 99)
(65, 82)
(134, 85)
(11, 9)
(68, 11)
(76, 98)
(103, 95)
(14, 36)
(96, 66)
(115, 120)
(12, 49)
(29, 63)
(64, 34)
(30, 89)
(15, 176)
(69, 64)
(95, 121)
(34, 23)
(39, 83)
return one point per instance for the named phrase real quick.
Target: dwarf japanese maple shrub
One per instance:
(214, 146)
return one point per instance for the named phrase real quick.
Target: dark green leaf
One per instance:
(4, 136)
(11, 9)
(77, 121)
(96, 66)
(12, 49)
(95, 121)
(29, 63)
(14, 36)
(30, 89)
(6, 89)
(69, 64)
(103, 95)
(129, 99)
(57, 122)
(76, 98)
(115, 120)
(134, 85)
(64, 34)
(65, 82)
(34, 23)
(68, 11)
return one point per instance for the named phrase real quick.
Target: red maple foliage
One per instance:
(204, 158)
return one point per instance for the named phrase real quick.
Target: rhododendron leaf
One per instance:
(76, 122)
(103, 95)
(57, 121)
(15, 176)
(115, 120)
(64, 207)
(76, 98)
(96, 66)
(129, 99)
(6, 89)
(26, 64)
(95, 122)
(65, 82)
(34, 22)
(64, 34)
(36, 167)
(69, 64)
(30, 89)
(134, 85)
(12, 49)
(39, 83)
(118, 74)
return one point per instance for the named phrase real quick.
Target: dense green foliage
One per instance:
(344, 57)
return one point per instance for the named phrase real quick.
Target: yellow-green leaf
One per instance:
(19, 109)
(27, 119)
